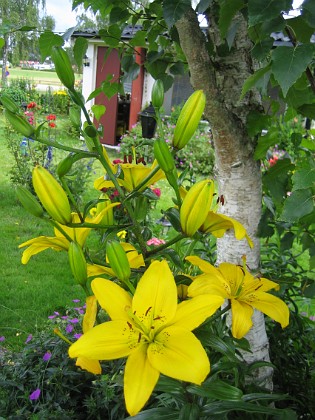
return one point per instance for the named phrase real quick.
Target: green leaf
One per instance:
(203, 5)
(251, 81)
(98, 111)
(256, 122)
(302, 30)
(289, 63)
(308, 143)
(307, 110)
(111, 36)
(118, 14)
(261, 11)
(157, 413)
(286, 241)
(265, 142)
(173, 10)
(277, 178)
(139, 40)
(79, 49)
(47, 41)
(228, 10)
(221, 407)
(297, 205)
(216, 390)
(2, 42)
(308, 12)
(303, 178)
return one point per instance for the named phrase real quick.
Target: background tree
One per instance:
(22, 45)
(229, 58)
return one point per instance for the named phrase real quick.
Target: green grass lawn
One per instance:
(29, 293)
(38, 76)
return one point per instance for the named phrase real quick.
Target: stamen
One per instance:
(147, 311)
(139, 338)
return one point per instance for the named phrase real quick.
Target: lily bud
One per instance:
(65, 165)
(28, 201)
(157, 94)
(63, 67)
(165, 159)
(118, 260)
(19, 123)
(9, 104)
(188, 119)
(196, 206)
(108, 218)
(77, 263)
(51, 195)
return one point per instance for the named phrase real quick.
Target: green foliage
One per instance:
(65, 390)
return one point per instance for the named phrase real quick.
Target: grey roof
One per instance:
(128, 32)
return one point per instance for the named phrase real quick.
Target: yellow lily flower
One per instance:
(217, 224)
(59, 242)
(134, 258)
(90, 365)
(133, 175)
(244, 291)
(152, 330)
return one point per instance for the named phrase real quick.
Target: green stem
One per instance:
(57, 226)
(221, 312)
(66, 187)
(166, 245)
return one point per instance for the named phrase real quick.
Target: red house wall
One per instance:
(137, 90)
(111, 65)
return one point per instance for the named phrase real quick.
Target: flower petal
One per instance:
(217, 224)
(98, 270)
(191, 313)
(156, 295)
(92, 366)
(139, 380)
(90, 313)
(41, 243)
(114, 299)
(234, 276)
(204, 266)
(108, 341)
(241, 318)
(177, 353)
(206, 284)
(272, 306)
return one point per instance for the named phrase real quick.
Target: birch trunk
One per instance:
(238, 174)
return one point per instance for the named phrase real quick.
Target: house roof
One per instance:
(128, 32)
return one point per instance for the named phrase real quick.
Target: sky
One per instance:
(61, 11)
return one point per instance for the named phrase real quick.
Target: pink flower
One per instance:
(157, 192)
(47, 356)
(29, 338)
(155, 241)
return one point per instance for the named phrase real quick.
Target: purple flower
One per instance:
(47, 356)
(29, 338)
(2, 338)
(65, 317)
(69, 328)
(35, 394)
(74, 320)
(312, 317)
(52, 316)
(77, 336)
(75, 300)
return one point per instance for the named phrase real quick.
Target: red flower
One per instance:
(157, 192)
(273, 160)
(116, 161)
(51, 117)
(51, 124)
(31, 105)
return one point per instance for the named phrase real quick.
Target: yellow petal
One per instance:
(156, 295)
(218, 224)
(205, 266)
(272, 306)
(108, 341)
(191, 313)
(234, 276)
(92, 366)
(241, 318)
(177, 353)
(205, 284)
(139, 380)
(98, 270)
(90, 313)
(41, 243)
(112, 298)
